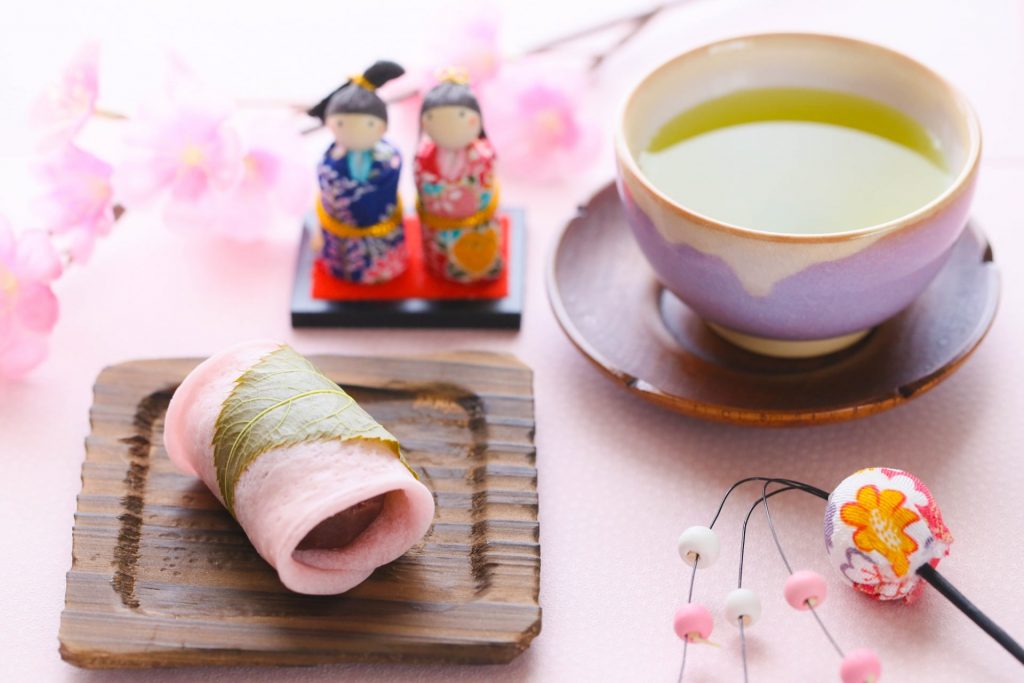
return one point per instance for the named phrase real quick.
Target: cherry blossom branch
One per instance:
(639, 22)
(636, 22)
(268, 170)
(108, 114)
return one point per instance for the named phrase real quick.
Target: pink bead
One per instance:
(860, 666)
(692, 622)
(804, 586)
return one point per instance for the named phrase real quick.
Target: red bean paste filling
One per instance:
(338, 530)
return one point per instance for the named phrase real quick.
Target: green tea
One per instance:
(796, 160)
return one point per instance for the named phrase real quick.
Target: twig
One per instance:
(108, 114)
(64, 254)
(639, 22)
(643, 16)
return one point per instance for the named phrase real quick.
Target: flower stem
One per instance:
(108, 114)
(638, 19)
(64, 254)
(636, 22)
(639, 22)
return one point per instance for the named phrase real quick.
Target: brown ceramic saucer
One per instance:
(609, 303)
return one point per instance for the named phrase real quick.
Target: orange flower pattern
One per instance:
(881, 526)
(881, 522)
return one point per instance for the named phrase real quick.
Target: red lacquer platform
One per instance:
(415, 282)
(416, 298)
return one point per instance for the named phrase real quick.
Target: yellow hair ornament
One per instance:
(453, 74)
(359, 80)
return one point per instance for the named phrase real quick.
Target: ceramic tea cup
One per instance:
(796, 294)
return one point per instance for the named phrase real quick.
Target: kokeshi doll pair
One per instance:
(359, 208)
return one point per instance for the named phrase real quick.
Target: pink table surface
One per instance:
(618, 478)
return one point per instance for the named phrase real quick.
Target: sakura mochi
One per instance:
(320, 488)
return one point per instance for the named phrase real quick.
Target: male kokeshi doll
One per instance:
(359, 209)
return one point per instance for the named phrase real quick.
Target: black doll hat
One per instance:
(357, 96)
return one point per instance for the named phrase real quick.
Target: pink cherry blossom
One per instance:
(275, 184)
(77, 206)
(532, 112)
(179, 151)
(28, 307)
(63, 108)
(213, 170)
(471, 43)
(467, 38)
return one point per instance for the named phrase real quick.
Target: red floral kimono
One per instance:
(457, 200)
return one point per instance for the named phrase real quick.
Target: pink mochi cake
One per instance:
(324, 513)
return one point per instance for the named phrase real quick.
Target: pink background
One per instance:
(618, 478)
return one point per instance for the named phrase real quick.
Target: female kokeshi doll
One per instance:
(359, 208)
(458, 194)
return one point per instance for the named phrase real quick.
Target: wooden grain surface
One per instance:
(608, 301)
(162, 576)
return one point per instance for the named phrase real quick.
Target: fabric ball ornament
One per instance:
(881, 525)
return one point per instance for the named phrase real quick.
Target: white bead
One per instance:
(698, 545)
(742, 603)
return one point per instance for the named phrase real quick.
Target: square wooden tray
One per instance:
(163, 576)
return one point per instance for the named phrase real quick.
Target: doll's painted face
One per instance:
(356, 132)
(452, 127)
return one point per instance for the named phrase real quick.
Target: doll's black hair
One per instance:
(451, 94)
(357, 95)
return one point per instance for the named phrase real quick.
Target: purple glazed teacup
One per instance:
(796, 295)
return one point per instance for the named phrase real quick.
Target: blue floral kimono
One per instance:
(360, 189)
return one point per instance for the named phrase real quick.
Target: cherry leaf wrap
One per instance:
(281, 401)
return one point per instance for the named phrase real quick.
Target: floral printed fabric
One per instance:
(363, 203)
(457, 184)
(360, 202)
(454, 183)
(465, 254)
(366, 260)
(881, 525)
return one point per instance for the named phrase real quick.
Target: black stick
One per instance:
(949, 591)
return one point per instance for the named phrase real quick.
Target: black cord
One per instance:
(813, 490)
(746, 521)
(950, 592)
(927, 572)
